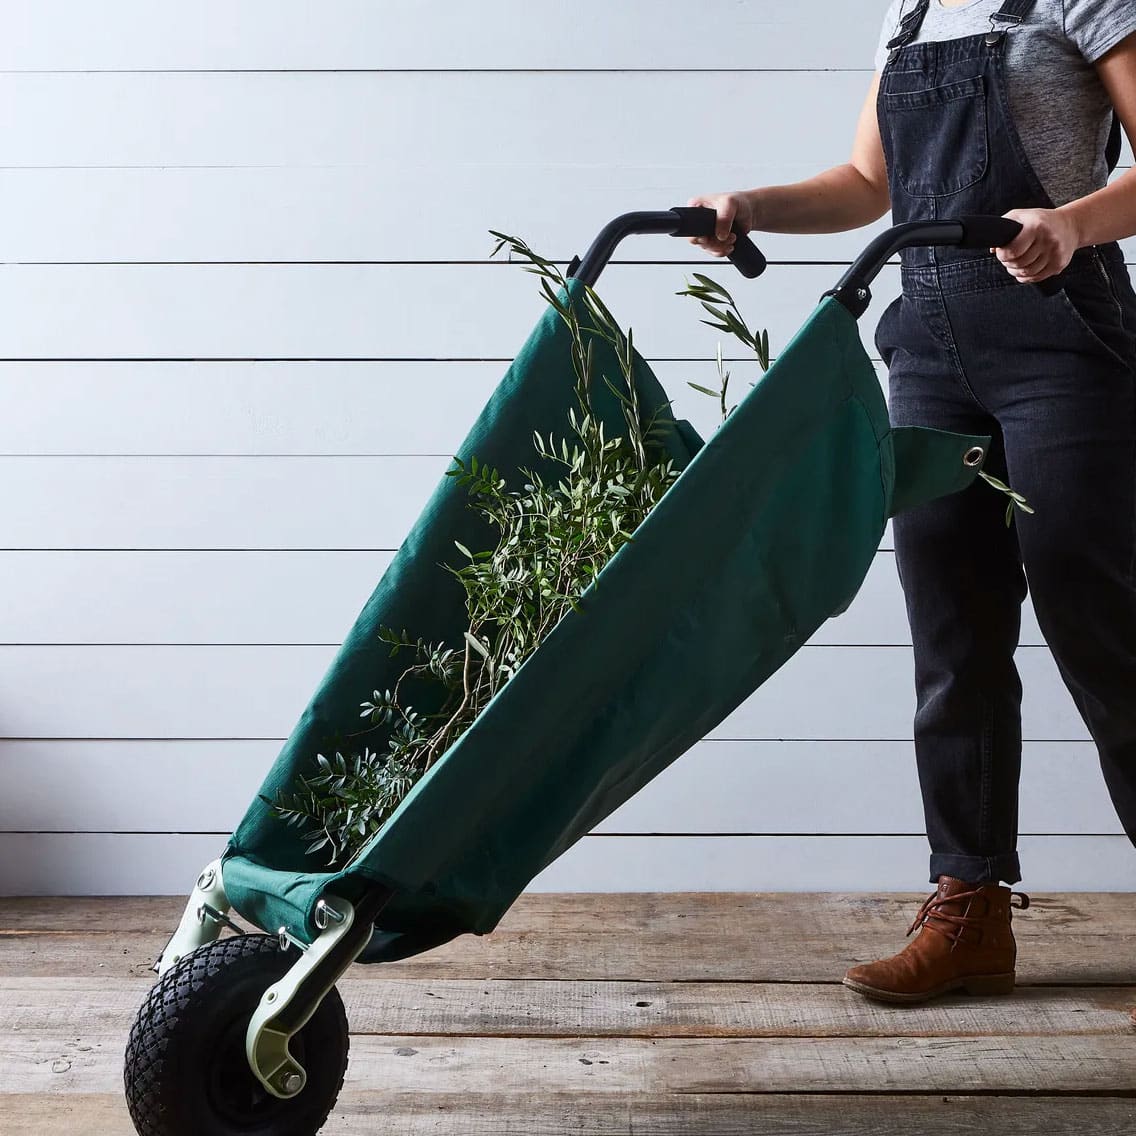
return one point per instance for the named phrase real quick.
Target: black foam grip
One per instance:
(747, 258)
(987, 232)
(994, 232)
(700, 221)
(695, 221)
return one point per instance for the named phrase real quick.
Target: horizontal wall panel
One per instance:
(283, 118)
(208, 503)
(370, 311)
(259, 692)
(185, 597)
(99, 864)
(393, 312)
(717, 787)
(278, 34)
(360, 213)
(264, 598)
(293, 409)
(352, 212)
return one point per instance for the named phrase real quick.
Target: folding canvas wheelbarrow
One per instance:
(769, 530)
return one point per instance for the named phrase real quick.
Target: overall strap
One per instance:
(1013, 11)
(909, 26)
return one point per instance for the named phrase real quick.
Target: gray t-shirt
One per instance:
(1060, 106)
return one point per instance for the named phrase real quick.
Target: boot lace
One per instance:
(933, 906)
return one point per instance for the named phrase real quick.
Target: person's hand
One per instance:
(1044, 246)
(730, 207)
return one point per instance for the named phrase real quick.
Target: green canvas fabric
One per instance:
(769, 531)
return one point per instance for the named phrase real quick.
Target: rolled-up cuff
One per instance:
(976, 869)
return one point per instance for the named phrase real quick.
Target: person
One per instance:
(1006, 108)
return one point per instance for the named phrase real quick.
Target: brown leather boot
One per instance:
(964, 943)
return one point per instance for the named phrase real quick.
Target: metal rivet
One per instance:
(973, 456)
(205, 880)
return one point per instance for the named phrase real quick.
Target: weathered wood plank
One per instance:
(509, 1008)
(1064, 958)
(759, 914)
(538, 1113)
(62, 1062)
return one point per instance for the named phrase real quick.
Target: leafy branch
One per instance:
(555, 531)
(1016, 499)
(726, 317)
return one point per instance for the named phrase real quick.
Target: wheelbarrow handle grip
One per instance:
(987, 232)
(994, 232)
(701, 221)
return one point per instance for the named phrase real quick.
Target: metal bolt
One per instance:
(861, 293)
(205, 880)
(292, 1082)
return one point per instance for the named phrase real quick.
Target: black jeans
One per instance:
(1053, 379)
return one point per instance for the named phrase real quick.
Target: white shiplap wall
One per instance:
(245, 293)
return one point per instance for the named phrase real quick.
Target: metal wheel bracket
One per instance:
(288, 1005)
(205, 914)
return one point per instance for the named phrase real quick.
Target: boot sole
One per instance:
(980, 985)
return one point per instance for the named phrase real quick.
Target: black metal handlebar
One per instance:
(681, 221)
(852, 290)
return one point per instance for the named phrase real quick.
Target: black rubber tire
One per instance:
(186, 1073)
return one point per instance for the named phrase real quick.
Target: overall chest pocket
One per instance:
(939, 137)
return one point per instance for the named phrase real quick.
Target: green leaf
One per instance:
(476, 644)
(712, 286)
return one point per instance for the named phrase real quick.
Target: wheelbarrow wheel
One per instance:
(186, 1071)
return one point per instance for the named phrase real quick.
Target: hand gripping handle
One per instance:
(699, 221)
(993, 232)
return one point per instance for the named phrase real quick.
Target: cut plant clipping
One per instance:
(1016, 499)
(554, 536)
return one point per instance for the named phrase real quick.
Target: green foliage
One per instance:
(1016, 499)
(727, 317)
(554, 534)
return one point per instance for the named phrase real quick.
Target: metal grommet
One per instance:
(973, 456)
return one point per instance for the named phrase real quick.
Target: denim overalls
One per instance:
(1053, 379)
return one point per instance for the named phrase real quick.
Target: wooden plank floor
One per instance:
(613, 1015)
